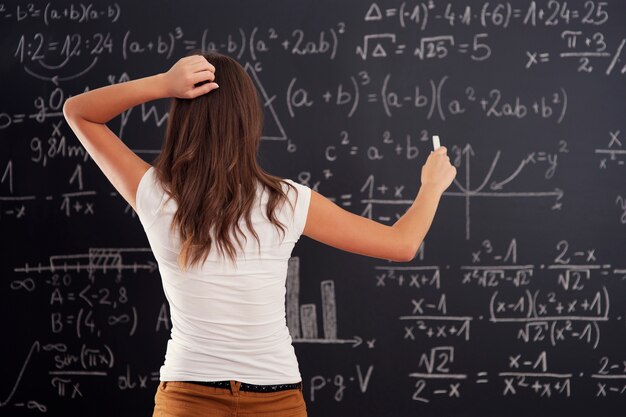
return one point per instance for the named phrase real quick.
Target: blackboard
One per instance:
(515, 303)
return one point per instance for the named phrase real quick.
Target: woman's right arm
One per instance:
(330, 224)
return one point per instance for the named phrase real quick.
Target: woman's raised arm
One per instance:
(330, 224)
(88, 113)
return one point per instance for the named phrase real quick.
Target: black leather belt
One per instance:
(249, 387)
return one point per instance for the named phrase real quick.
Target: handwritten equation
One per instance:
(517, 290)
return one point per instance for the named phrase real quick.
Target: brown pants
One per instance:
(186, 399)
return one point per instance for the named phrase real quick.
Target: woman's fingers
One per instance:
(198, 91)
(207, 65)
(200, 76)
(202, 64)
(187, 73)
(203, 89)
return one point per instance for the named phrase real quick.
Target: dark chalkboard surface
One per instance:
(516, 302)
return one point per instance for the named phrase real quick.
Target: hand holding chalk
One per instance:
(438, 172)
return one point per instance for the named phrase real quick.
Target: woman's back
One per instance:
(229, 327)
(228, 318)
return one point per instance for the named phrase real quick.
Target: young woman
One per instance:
(222, 231)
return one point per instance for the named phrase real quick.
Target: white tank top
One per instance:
(227, 322)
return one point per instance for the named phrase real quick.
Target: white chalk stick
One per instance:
(436, 143)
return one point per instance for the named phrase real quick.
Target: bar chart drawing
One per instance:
(302, 319)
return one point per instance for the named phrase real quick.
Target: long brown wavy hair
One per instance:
(208, 164)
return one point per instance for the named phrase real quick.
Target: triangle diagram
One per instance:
(272, 128)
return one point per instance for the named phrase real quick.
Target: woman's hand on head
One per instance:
(183, 78)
